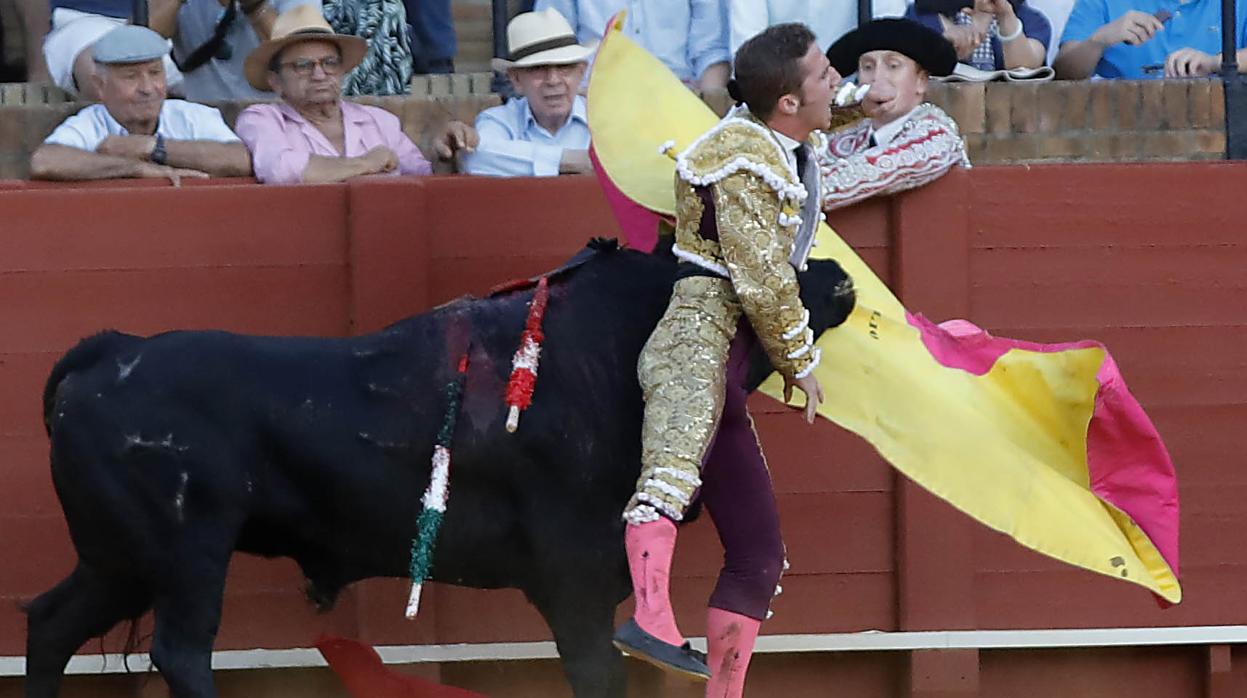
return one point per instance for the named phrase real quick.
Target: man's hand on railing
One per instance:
(175, 175)
(456, 137)
(1191, 63)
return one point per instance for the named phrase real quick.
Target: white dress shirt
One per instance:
(179, 121)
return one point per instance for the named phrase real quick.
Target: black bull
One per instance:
(169, 453)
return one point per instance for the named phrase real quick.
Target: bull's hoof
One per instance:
(635, 642)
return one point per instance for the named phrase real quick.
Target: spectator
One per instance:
(830, 19)
(1057, 12)
(903, 142)
(211, 39)
(312, 135)
(36, 18)
(988, 34)
(433, 30)
(76, 26)
(135, 131)
(387, 67)
(544, 130)
(1136, 39)
(689, 36)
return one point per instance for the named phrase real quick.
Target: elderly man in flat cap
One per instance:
(313, 135)
(545, 131)
(135, 131)
(898, 141)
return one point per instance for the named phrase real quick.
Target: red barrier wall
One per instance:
(1044, 253)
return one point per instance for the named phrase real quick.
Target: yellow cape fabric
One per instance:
(1007, 448)
(635, 106)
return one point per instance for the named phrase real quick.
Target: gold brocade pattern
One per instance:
(735, 144)
(689, 210)
(755, 252)
(682, 370)
(754, 187)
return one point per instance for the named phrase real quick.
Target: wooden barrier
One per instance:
(1044, 253)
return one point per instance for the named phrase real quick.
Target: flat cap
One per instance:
(130, 43)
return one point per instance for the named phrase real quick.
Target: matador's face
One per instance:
(818, 89)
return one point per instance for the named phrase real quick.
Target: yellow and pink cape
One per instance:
(1042, 442)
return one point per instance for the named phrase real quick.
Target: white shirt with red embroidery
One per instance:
(907, 153)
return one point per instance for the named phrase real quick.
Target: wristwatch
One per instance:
(159, 155)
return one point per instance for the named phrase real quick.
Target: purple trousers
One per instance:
(737, 493)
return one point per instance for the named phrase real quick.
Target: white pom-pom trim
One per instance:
(677, 474)
(641, 513)
(815, 356)
(694, 258)
(668, 489)
(785, 189)
(805, 322)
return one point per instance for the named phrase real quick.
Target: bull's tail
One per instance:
(85, 354)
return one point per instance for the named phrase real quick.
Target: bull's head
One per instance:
(827, 293)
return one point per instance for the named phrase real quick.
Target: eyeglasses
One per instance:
(561, 71)
(331, 65)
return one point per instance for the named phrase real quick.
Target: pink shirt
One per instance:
(281, 141)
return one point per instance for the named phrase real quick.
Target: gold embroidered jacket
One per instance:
(757, 200)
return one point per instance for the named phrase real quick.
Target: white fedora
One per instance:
(542, 38)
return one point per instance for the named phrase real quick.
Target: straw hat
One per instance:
(300, 23)
(542, 38)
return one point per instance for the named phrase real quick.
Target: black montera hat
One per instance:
(928, 49)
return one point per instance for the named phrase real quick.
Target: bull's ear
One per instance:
(827, 292)
(604, 244)
(666, 241)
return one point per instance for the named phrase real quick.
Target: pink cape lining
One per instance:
(1128, 464)
(639, 224)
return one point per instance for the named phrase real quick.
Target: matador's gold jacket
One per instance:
(743, 171)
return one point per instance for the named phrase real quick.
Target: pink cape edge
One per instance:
(639, 224)
(1127, 461)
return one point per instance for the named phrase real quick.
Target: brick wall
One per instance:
(1101, 121)
(1003, 123)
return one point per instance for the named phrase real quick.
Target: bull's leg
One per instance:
(188, 611)
(84, 605)
(580, 609)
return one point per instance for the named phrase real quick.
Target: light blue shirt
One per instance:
(829, 19)
(1194, 24)
(513, 144)
(688, 36)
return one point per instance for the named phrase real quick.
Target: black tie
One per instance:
(803, 156)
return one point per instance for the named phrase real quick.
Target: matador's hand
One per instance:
(809, 385)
